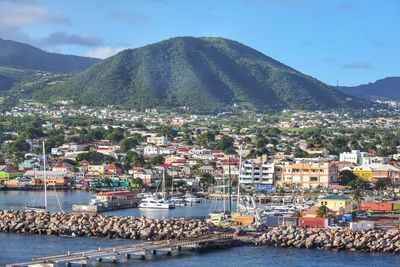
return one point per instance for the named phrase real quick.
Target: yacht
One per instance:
(151, 202)
(191, 199)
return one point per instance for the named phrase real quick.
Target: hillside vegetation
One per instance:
(204, 74)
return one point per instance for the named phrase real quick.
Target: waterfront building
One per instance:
(307, 173)
(257, 173)
(336, 203)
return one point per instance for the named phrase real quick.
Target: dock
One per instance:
(139, 251)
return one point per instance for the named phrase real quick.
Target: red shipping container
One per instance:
(377, 206)
(313, 222)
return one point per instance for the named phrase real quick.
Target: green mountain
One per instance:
(24, 56)
(204, 74)
(385, 89)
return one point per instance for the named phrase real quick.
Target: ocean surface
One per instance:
(21, 247)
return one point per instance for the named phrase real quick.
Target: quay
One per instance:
(140, 251)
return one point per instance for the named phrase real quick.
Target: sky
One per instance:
(338, 42)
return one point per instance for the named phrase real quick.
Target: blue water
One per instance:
(17, 200)
(21, 247)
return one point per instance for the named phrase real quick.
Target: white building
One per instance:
(257, 173)
(151, 151)
(158, 140)
(354, 157)
(374, 160)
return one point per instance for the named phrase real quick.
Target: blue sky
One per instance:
(352, 42)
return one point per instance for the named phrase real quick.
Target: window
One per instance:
(313, 179)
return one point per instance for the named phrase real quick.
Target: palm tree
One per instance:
(357, 197)
(322, 211)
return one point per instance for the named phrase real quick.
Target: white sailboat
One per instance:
(152, 202)
(41, 208)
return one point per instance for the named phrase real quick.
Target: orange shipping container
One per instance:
(244, 220)
(386, 207)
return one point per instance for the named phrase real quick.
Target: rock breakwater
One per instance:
(82, 224)
(336, 238)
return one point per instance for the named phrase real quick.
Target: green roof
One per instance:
(335, 197)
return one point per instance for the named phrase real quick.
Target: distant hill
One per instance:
(204, 74)
(385, 89)
(19, 55)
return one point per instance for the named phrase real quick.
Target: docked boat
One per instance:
(220, 218)
(107, 201)
(151, 202)
(191, 199)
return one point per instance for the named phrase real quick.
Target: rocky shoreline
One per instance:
(335, 238)
(84, 224)
(95, 225)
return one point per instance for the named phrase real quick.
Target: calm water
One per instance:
(21, 247)
(17, 200)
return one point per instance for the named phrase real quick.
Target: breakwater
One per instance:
(335, 238)
(84, 224)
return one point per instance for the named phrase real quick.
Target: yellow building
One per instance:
(364, 173)
(339, 204)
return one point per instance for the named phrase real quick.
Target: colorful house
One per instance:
(365, 173)
(339, 204)
(7, 175)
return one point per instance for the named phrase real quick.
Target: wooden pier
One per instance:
(131, 251)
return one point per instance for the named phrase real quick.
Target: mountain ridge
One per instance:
(19, 55)
(385, 89)
(203, 73)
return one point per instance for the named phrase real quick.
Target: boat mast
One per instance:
(163, 184)
(45, 176)
(172, 184)
(229, 185)
(240, 173)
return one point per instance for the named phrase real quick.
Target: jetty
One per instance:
(139, 251)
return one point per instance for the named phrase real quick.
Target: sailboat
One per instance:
(223, 218)
(152, 202)
(41, 208)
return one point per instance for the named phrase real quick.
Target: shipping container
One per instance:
(347, 218)
(313, 222)
(377, 206)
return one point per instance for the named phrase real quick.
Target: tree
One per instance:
(19, 145)
(95, 158)
(134, 159)
(136, 183)
(225, 143)
(128, 144)
(360, 183)
(381, 184)
(207, 180)
(347, 177)
(322, 211)
(357, 197)
(157, 160)
(116, 135)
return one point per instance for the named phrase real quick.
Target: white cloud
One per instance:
(17, 16)
(104, 52)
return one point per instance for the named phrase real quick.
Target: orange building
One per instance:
(306, 173)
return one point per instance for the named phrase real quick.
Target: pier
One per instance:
(139, 251)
